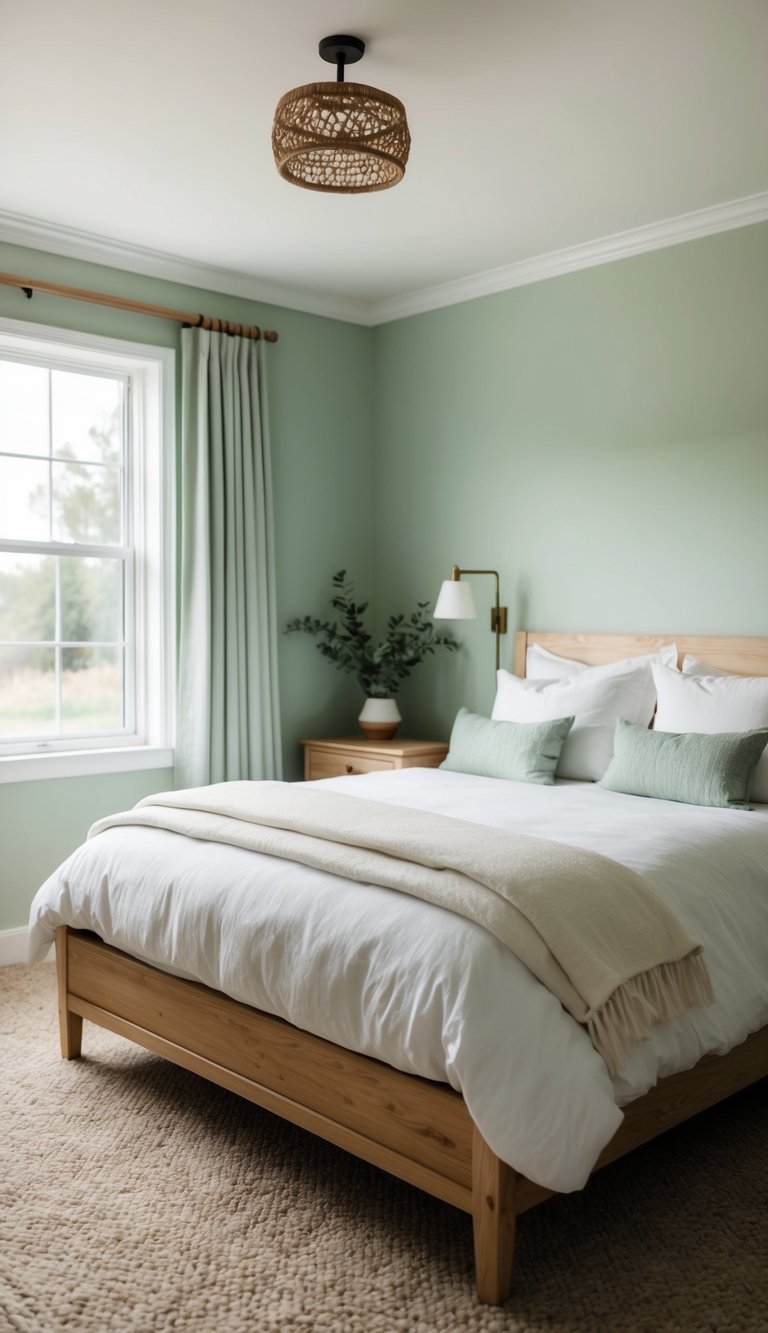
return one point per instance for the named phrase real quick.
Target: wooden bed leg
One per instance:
(493, 1219)
(70, 1025)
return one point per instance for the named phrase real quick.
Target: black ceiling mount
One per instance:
(341, 51)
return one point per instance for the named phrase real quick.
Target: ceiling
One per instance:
(538, 126)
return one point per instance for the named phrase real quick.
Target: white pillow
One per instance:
(541, 664)
(596, 698)
(693, 666)
(713, 702)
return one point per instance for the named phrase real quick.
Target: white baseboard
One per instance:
(13, 946)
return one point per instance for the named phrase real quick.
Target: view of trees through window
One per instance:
(62, 557)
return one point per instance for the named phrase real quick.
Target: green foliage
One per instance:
(380, 667)
(85, 504)
(86, 498)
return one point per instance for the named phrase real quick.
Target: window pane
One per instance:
(74, 481)
(27, 597)
(86, 503)
(27, 692)
(24, 499)
(23, 409)
(91, 689)
(87, 417)
(91, 600)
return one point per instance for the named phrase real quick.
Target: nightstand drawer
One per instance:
(335, 758)
(323, 764)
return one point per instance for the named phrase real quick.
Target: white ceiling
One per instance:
(537, 125)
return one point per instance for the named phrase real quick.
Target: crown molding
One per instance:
(16, 229)
(622, 245)
(34, 234)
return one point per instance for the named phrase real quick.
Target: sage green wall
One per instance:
(600, 438)
(320, 409)
(42, 822)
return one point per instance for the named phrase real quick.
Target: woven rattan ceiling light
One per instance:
(344, 138)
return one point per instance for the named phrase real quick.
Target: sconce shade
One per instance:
(455, 601)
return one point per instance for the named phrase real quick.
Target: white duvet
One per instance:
(426, 991)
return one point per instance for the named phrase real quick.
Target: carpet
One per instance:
(136, 1196)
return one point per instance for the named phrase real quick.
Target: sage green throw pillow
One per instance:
(688, 766)
(520, 751)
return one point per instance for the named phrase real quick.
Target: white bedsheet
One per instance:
(430, 993)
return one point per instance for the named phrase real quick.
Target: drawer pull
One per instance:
(350, 768)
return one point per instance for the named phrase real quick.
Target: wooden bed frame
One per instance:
(418, 1130)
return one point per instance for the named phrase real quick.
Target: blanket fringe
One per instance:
(651, 997)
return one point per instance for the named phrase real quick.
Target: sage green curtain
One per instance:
(228, 718)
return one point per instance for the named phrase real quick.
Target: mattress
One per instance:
(426, 991)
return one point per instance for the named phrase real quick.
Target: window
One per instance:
(86, 553)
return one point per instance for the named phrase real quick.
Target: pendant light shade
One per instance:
(344, 138)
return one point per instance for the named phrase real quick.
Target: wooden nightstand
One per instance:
(336, 758)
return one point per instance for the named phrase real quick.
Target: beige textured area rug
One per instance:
(135, 1196)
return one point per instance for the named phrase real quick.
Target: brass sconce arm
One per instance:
(454, 606)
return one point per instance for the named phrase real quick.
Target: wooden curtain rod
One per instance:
(30, 285)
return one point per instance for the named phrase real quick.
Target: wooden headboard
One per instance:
(737, 655)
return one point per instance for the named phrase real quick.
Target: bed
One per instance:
(417, 1125)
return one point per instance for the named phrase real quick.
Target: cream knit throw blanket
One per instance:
(592, 931)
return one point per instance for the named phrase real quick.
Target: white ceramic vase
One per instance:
(379, 719)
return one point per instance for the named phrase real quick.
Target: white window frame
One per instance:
(151, 440)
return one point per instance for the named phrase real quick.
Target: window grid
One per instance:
(57, 631)
(50, 472)
(120, 552)
(44, 458)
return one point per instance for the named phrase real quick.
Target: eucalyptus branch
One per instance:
(379, 667)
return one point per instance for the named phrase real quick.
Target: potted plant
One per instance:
(380, 666)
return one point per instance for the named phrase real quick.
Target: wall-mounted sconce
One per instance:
(456, 602)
